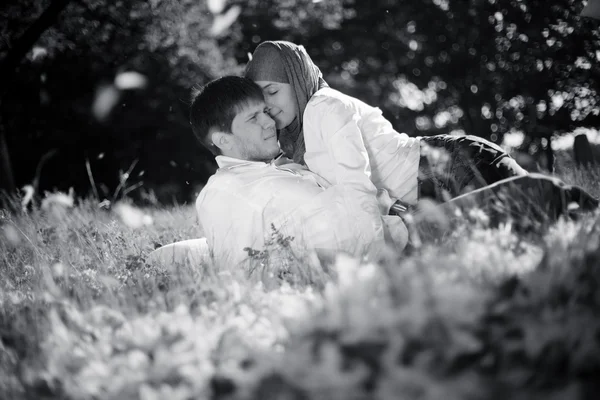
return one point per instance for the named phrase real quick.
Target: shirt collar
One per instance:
(226, 162)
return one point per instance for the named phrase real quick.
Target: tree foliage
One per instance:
(72, 70)
(482, 61)
(484, 67)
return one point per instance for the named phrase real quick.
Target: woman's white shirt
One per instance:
(340, 132)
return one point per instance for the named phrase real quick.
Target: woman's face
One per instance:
(281, 101)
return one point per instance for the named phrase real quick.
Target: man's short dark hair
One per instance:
(215, 105)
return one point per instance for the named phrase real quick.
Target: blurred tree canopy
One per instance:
(109, 81)
(66, 94)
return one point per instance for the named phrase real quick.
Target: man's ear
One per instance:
(223, 140)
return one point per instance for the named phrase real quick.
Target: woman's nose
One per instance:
(271, 109)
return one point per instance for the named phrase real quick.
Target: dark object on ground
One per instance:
(453, 165)
(583, 152)
(532, 203)
(591, 10)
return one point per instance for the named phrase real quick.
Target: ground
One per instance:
(484, 314)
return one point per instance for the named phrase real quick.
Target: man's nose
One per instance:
(267, 122)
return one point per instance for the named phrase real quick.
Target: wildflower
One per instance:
(60, 199)
(478, 215)
(27, 197)
(132, 216)
(12, 235)
(105, 316)
(38, 53)
(58, 269)
(347, 267)
(137, 359)
(16, 297)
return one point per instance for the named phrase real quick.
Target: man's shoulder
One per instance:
(219, 182)
(224, 178)
(231, 185)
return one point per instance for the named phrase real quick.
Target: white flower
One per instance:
(132, 217)
(12, 235)
(58, 269)
(59, 199)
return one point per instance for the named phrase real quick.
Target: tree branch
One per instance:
(23, 44)
(8, 69)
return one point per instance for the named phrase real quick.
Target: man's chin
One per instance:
(275, 153)
(267, 157)
(280, 125)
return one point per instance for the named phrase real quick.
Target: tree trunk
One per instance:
(582, 151)
(22, 45)
(7, 177)
(550, 154)
(8, 70)
(539, 131)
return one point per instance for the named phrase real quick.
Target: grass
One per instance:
(485, 314)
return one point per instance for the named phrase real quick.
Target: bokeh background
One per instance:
(94, 94)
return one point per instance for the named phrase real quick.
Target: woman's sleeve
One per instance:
(337, 124)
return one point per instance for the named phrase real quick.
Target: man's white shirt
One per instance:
(243, 200)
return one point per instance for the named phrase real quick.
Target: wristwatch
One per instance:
(399, 208)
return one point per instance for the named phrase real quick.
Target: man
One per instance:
(256, 192)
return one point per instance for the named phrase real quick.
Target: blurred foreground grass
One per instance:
(484, 315)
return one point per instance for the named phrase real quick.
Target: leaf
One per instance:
(130, 80)
(216, 6)
(105, 100)
(223, 21)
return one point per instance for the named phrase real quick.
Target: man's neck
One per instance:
(224, 161)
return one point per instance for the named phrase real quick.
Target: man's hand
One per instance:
(395, 232)
(399, 208)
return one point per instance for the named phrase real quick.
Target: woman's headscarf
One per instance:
(286, 62)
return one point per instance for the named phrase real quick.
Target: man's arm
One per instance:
(335, 220)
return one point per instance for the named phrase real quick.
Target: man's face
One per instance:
(281, 101)
(255, 137)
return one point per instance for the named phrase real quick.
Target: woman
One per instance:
(328, 130)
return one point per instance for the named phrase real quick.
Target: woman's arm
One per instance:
(336, 124)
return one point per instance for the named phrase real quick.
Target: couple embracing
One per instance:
(301, 158)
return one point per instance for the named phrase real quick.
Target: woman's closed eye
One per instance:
(270, 91)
